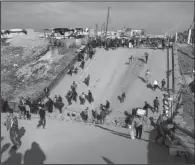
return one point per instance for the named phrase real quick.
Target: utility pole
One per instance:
(173, 71)
(107, 21)
(168, 70)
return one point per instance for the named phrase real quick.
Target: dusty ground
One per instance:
(187, 64)
(80, 143)
(26, 68)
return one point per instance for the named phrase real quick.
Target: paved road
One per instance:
(111, 76)
(69, 142)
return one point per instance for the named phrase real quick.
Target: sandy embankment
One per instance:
(33, 69)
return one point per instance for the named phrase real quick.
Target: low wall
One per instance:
(59, 77)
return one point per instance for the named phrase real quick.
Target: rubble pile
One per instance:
(26, 71)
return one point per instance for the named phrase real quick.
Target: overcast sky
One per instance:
(155, 17)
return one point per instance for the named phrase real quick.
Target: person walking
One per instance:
(46, 90)
(42, 120)
(138, 124)
(82, 98)
(130, 59)
(87, 80)
(155, 85)
(22, 108)
(82, 64)
(129, 124)
(73, 86)
(107, 106)
(146, 57)
(74, 96)
(90, 97)
(147, 75)
(59, 98)
(156, 104)
(103, 115)
(69, 96)
(11, 124)
(27, 108)
(163, 85)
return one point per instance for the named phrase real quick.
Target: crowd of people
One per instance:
(163, 125)
(26, 106)
(127, 42)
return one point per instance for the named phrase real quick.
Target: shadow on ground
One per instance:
(14, 158)
(107, 160)
(149, 86)
(4, 147)
(141, 78)
(156, 153)
(114, 132)
(142, 60)
(33, 156)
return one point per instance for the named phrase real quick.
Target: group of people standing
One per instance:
(135, 120)
(98, 114)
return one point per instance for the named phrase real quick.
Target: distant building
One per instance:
(135, 32)
(10, 33)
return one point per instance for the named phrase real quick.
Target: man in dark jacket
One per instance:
(59, 98)
(69, 96)
(146, 106)
(86, 81)
(49, 104)
(156, 104)
(6, 106)
(103, 116)
(82, 64)
(73, 86)
(163, 85)
(146, 57)
(42, 120)
(46, 90)
(90, 97)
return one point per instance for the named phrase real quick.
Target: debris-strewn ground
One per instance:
(186, 55)
(27, 70)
